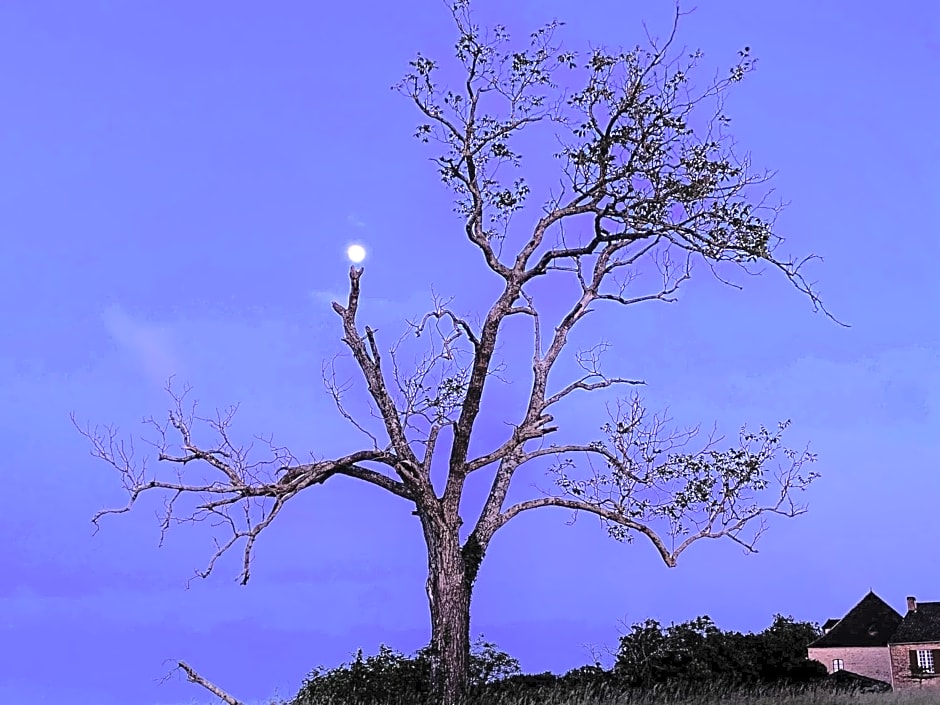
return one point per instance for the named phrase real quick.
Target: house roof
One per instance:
(922, 624)
(830, 623)
(872, 622)
(856, 681)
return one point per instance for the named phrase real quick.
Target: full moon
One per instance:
(356, 253)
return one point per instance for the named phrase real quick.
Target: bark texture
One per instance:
(449, 592)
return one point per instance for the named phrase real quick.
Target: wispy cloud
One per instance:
(355, 221)
(150, 344)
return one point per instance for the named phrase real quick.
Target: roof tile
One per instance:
(872, 622)
(922, 624)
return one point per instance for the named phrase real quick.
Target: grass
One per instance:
(766, 696)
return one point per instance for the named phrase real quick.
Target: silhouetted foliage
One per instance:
(592, 680)
(783, 651)
(537, 685)
(677, 662)
(390, 678)
(697, 652)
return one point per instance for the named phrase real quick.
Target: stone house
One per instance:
(915, 648)
(874, 640)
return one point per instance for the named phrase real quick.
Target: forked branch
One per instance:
(705, 494)
(259, 488)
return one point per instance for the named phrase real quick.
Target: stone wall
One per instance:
(871, 661)
(901, 666)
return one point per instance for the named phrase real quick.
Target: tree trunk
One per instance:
(449, 600)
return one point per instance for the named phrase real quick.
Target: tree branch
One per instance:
(372, 370)
(710, 489)
(336, 391)
(242, 482)
(668, 558)
(194, 677)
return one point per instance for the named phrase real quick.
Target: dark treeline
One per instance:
(681, 658)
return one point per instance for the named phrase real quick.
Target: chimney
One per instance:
(911, 604)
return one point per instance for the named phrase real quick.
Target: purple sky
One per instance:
(179, 184)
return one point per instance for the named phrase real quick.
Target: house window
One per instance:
(837, 664)
(925, 660)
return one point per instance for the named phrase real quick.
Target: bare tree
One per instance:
(637, 183)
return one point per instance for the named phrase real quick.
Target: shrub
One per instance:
(697, 652)
(390, 678)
